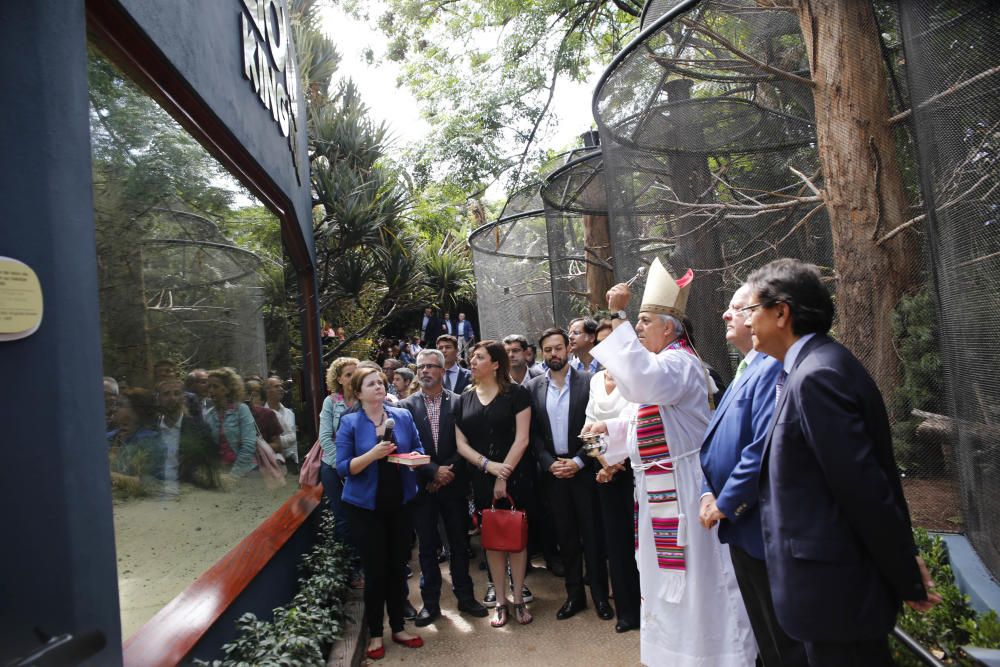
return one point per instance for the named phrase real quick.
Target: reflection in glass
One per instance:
(198, 354)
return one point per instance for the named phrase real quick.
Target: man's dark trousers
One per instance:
(773, 643)
(577, 516)
(453, 510)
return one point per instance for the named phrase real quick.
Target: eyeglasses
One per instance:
(748, 310)
(421, 367)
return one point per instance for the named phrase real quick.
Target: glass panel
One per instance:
(194, 304)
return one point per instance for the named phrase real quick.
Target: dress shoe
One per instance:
(472, 608)
(413, 642)
(570, 608)
(428, 615)
(625, 626)
(409, 613)
(604, 610)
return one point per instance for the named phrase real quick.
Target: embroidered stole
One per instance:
(661, 487)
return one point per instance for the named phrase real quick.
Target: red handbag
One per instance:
(505, 530)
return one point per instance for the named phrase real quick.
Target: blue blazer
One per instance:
(355, 437)
(731, 452)
(837, 535)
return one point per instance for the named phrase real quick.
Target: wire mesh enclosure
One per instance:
(576, 213)
(953, 71)
(710, 153)
(174, 287)
(510, 257)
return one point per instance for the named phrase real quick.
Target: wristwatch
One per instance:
(620, 315)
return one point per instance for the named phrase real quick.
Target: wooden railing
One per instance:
(167, 638)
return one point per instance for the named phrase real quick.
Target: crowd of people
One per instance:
(763, 522)
(209, 428)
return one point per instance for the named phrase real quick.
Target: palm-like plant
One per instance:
(448, 275)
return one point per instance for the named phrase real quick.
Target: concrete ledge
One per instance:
(350, 651)
(971, 576)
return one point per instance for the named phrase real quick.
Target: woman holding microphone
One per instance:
(376, 497)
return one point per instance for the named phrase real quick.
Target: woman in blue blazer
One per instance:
(376, 496)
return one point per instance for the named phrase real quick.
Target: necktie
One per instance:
(782, 376)
(450, 380)
(739, 369)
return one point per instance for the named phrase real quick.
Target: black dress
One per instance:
(491, 429)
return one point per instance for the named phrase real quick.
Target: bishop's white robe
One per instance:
(697, 619)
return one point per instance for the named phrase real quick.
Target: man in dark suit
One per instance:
(456, 378)
(730, 459)
(836, 528)
(191, 455)
(430, 327)
(443, 488)
(558, 413)
(520, 372)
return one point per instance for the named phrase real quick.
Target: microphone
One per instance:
(390, 423)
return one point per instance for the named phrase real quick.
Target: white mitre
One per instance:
(664, 294)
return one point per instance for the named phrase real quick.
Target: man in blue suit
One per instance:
(730, 459)
(837, 534)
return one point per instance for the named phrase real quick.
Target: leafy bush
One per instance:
(951, 624)
(304, 630)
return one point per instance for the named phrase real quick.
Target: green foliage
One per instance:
(484, 74)
(369, 244)
(448, 275)
(915, 330)
(953, 623)
(302, 631)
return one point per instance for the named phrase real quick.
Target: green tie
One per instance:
(739, 369)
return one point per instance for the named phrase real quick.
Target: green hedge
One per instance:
(951, 624)
(304, 630)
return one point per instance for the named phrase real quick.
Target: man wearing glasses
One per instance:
(837, 535)
(730, 459)
(275, 390)
(444, 484)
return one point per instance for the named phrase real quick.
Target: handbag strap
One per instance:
(513, 507)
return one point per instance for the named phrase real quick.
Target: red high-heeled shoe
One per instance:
(376, 653)
(415, 642)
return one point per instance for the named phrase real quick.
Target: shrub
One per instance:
(953, 623)
(304, 630)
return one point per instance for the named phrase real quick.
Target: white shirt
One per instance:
(287, 420)
(557, 408)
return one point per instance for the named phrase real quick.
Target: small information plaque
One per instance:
(20, 300)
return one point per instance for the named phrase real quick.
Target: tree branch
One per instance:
(903, 115)
(620, 4)
(780, 73)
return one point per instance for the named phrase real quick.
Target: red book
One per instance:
(412, 459)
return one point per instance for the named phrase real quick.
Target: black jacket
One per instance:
(541, 429)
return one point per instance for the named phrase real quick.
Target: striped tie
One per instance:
(782, 376)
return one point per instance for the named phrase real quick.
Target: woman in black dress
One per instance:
(492, 431)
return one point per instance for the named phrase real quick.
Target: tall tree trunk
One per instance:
(597, 244)
(863, 186)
